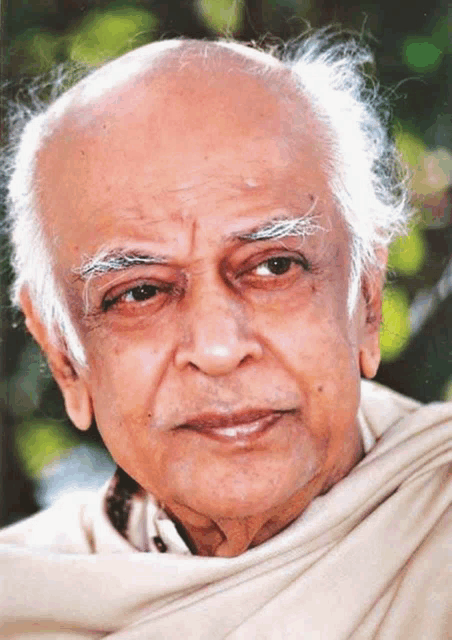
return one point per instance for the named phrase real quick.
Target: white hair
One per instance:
(365, 178)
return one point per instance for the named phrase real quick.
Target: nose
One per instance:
(217, 338)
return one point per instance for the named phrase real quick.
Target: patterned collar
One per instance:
(135, 515)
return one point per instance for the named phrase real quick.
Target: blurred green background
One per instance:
(42, 455)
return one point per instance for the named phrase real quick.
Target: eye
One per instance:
(140, 293)
(277, 266)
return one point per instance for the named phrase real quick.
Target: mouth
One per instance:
(240, 428)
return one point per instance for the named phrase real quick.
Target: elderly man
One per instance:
(200, 234)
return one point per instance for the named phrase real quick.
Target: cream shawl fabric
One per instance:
(372, 558)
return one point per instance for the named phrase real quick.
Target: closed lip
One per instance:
(241, 425)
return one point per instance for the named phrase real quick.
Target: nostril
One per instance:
(245, 358)
(218, 359)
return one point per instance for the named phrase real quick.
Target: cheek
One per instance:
(124, 377)
(320, 353)
(312, 342)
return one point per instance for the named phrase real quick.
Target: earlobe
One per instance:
(77, 398)
(369, 352)
(78, 404)
(369, 360)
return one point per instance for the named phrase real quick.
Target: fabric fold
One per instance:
(369, 559)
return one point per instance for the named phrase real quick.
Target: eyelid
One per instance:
(256, 260)
(112, 297)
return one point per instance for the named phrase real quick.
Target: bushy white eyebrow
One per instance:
(283, 228)
(114, 260)
(107, 261)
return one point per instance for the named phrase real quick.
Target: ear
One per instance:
(67, 374)
(371, 301)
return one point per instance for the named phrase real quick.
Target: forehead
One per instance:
(180, 133)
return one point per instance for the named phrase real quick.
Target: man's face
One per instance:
(225, 378)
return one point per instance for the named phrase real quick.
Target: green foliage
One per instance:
(38, 443)
(441, 33)
(395, 332)
(407, 254)
(447, 391)
(26, 386)
(101, 35)
(286, 4)
(411, 147)
(221, 16)
(421, 54)
(35, 50)
(107, 34)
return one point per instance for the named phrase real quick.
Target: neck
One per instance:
(217, 535)
(232, 536)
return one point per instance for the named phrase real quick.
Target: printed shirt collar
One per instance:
(137, 516)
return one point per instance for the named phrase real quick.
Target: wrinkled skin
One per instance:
(180, 165)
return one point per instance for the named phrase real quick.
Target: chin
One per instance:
(238, 501)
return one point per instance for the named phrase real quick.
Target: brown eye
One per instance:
(141, 293)
(274, 266)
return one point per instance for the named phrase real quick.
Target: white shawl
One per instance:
(372, 558)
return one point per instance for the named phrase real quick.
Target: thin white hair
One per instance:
(365, 178)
